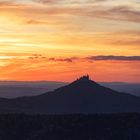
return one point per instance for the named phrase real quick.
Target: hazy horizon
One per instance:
(68, 81)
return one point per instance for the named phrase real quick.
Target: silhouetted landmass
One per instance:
(70, 127)
(81, 96)
(15, 89)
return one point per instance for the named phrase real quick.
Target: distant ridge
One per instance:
(81, 96)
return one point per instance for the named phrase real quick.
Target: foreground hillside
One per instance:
(70, 127)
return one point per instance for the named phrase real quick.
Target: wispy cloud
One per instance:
(135, 42)
(110, 12)
(32, 21)
(113, 12)
(124, 38)
(5, 4)
(46, 1)
(125, 13)
(68, 2)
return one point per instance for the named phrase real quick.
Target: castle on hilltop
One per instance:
(84, 78)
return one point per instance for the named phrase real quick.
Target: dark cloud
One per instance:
(69, 60)
(89, 59)
(112, 57)
(37, 56)
(40, 56)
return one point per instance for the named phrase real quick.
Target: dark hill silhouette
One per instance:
(81, 96)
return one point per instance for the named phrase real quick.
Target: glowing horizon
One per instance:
(59, 40)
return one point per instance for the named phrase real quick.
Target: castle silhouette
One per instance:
(84, 78)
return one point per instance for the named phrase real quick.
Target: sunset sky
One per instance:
(60, 40)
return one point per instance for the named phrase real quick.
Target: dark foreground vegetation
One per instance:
(70, 127)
